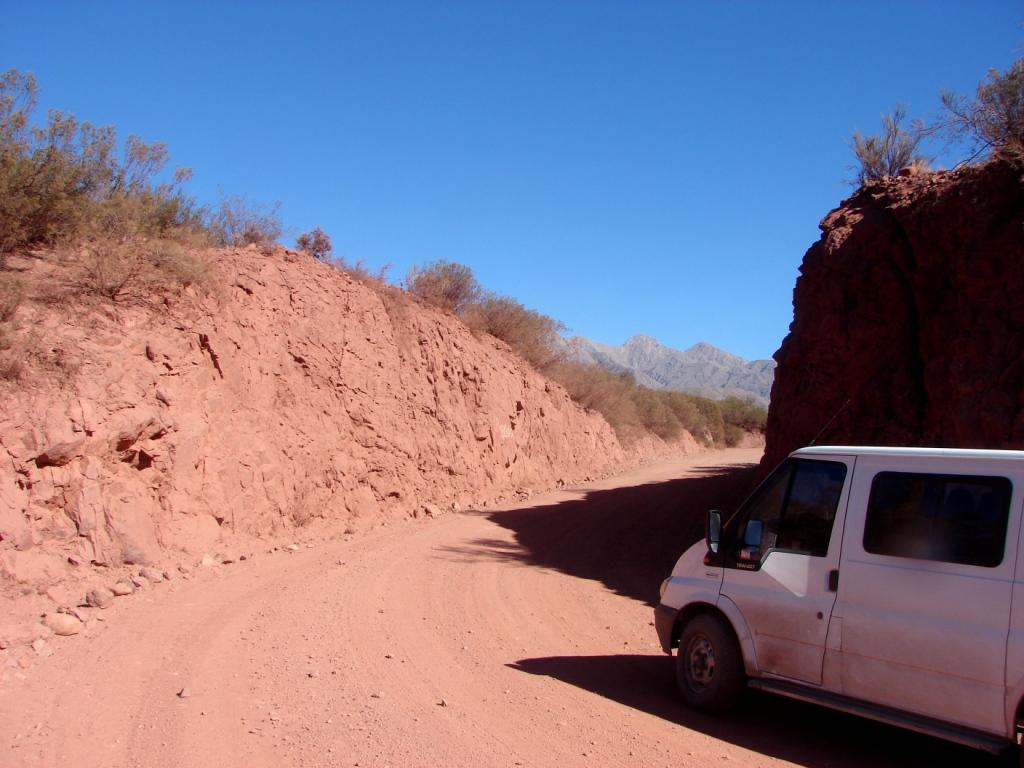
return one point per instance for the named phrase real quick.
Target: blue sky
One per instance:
(625, 167)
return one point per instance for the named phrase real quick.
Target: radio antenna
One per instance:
(829, 423)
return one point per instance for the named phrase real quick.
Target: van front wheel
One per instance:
(709, 665)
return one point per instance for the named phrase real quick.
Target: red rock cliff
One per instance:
(291, 395)
(908, 321)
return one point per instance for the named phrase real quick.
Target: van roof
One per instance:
(951, 453)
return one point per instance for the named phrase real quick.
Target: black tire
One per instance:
(709, 665)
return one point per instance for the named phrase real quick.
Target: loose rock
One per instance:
(153, 574)
(63, 624)
(99, 598)
(42, 647)
(122, 588)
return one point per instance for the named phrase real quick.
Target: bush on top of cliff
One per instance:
(992, 125)
(884, 154)
(445, 284)
(316, 243)
(994, 120)
(66, 180)
(237, 222)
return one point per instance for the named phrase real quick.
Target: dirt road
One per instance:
(519, 637)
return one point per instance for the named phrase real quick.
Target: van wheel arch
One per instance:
(696, 609)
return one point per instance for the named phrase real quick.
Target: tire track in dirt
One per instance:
(516, 637)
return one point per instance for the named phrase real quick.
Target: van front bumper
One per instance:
(664, 623)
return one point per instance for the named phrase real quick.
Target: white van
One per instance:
(885, 582)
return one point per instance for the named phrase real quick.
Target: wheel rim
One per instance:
(700, 662)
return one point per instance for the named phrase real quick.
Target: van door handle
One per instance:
(833, 580)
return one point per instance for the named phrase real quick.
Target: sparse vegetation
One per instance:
(994, 120)
(65, 180)
(532, 335)
(630, 409)
(991, 124)
(66, 186)
(111, 269)
(445, 284)
(10, 300)
(237, 222)
(316, 243)
(884, 154)
(176, 262)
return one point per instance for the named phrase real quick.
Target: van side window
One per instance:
(950, 518)
(796, 506)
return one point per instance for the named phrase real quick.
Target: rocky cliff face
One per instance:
(292, 396)
(908, 321)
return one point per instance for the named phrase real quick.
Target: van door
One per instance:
(925, 588)
(785, 542)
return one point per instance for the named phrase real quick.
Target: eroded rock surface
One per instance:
(291, 396)
(908, 321)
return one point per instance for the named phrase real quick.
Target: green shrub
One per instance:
(445, 284)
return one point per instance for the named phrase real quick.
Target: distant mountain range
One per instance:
(702, 369)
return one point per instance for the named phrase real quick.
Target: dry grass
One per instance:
(532, 335)
(11, 357)
(110, 270)
(180, 265)
(122, 270)
(445, 284)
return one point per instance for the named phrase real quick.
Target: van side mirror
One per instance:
(713, 530)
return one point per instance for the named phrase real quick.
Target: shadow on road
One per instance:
(789, 730)
(626, 538)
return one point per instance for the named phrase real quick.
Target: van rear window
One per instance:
(948, 518)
